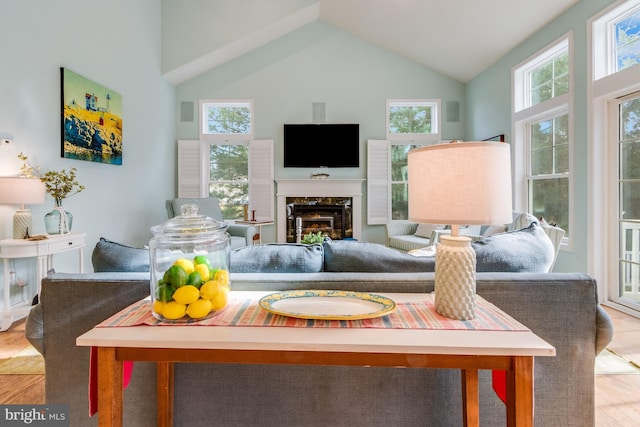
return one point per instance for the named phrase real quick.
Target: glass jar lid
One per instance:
(190, 224)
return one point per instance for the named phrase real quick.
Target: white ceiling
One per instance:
(458, 38)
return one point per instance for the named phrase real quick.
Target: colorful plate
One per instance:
(327, 305)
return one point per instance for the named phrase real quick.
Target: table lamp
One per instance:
(15, 190)
(460, 183)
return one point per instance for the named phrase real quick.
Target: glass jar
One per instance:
(189, 267)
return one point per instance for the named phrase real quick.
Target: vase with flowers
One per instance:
(60, 185)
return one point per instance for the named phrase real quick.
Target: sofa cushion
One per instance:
(425, 230)
(277, 258)
(351, 255)
(110, 256)
(526, 250)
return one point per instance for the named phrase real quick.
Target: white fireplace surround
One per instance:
(318, 188)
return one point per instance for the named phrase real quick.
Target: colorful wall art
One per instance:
(91, 120)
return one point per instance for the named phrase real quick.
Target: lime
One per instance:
(202, 259)
(164, 293)
(173, 310)
(177, 276)
(195, 279)
(186, 294)
(187, 264)
(199, 308)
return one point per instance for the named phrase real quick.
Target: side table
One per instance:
(43, 251)
(257, 239)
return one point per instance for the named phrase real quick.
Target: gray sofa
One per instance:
(562, 308)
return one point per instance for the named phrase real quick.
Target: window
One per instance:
(227, 128)
(549, 170)
(399, 181)
(230, 120)
(413, 119)
(543, 135)
(616, 39)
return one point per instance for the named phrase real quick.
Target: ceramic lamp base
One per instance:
(455, 278)
(21, 224)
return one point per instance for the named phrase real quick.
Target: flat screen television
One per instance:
(321, 145)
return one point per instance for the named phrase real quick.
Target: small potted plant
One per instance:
(60, 185)
(311, 238)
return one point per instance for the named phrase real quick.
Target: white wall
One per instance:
(117, 44)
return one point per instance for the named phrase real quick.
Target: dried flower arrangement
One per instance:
(59, 184)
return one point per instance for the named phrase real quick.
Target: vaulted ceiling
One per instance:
(458, 38)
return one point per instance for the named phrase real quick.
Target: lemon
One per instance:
(157, 306)
(222, 276)
(173, 310)
(199, 308)
(221, 299)
(187, 264)
(203, 269)
(210, 289)
(186, 294)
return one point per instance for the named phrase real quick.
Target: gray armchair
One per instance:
(241, 234)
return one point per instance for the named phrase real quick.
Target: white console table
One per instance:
(43, 251)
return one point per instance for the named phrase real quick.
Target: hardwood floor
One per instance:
(617, 397)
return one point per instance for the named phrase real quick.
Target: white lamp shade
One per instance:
(466, 183)
(15, 190)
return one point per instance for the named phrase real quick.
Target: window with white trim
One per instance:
(226, 126)
(543, 135)
(413, 120)
(411, 123)
(616, 39)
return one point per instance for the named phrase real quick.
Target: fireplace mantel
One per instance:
(318, 188)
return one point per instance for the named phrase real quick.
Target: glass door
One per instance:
(627, 285)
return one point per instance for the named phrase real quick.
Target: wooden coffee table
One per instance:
(467, 350)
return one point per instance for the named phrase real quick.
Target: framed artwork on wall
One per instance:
(91, 120)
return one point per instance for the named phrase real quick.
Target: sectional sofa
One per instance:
(562, 308)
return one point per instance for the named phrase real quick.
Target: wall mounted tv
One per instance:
(321, 145)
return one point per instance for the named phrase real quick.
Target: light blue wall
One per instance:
(319, 63)
(488, 101)
(117, 44)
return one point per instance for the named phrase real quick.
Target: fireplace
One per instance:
(327, 215)
(333, 206)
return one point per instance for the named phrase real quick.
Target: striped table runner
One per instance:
(247, 312)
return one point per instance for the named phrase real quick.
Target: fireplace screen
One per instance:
(329, 215)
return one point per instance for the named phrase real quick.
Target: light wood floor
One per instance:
(617, 396)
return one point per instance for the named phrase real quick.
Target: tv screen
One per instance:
(321, 145)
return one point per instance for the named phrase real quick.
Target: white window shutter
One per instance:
(261, 179)
(378, 182)
(189, 169)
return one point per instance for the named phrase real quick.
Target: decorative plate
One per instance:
(327, 305)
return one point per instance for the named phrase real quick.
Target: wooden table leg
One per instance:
(109, 388)
(470, 399)
(520, 392)
(164, 384)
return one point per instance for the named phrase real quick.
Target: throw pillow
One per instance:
(277, 258)
(494, 229)
(351, 255)
(110, 256)
(526, 250)
(425, 230)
